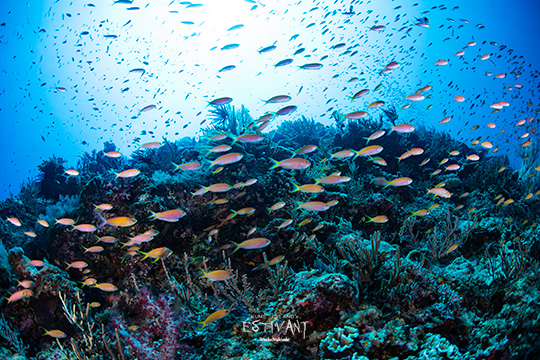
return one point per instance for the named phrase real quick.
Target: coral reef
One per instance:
(199, 263)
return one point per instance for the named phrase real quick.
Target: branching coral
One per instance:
(12, 336)
(241, 293)
(79, 316)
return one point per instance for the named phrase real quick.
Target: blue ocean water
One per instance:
(248, 179)
(90, 48)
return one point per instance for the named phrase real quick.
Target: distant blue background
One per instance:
(182, 65)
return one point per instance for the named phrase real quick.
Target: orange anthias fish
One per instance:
(369, 151)
(219, 314)
(157, 254)
(402, 181)
(118, 221)
(14, 221)
(128, 173)
(216, 275)
(105, 287)
(57, 334)
(380, 219)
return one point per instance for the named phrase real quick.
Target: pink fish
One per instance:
(291, 163)
(187, 166)
(439, 191)
(375, 135)
(84, 227)
(256, 243)
(401, 181)
(416, 97)
(403, 128)
(170, 215)
(128, 173)
(369, 150)
(227, 159)
(248, 138)
(313, 206)
(19, 295)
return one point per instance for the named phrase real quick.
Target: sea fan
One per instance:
(391, 114)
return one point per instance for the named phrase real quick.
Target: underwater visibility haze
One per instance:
(250, 179)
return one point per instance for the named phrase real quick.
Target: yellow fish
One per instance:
(219, 314)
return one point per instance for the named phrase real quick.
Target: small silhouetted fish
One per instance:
(235, 27)
(137, 71)
(227, 68)
(230, 47)
(283, 62)
(220, 101)
(267, 49)
(110, 36)
(85, 33)
(148, 108)
(278, 99)
(299, 51)
(133, 8)
(187, 22)
(123, 2)
(286, 110)
(311, 66)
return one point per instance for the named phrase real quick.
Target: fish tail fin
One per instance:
(356, 154)
(176, 166)
(103, 223)
(275, 164)
(153, 216)
(204, 273)
(350, 98)
(200, 322)
(368, 140)
(145, 255)
(237, 247)
(262, 266)
(295, 188)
